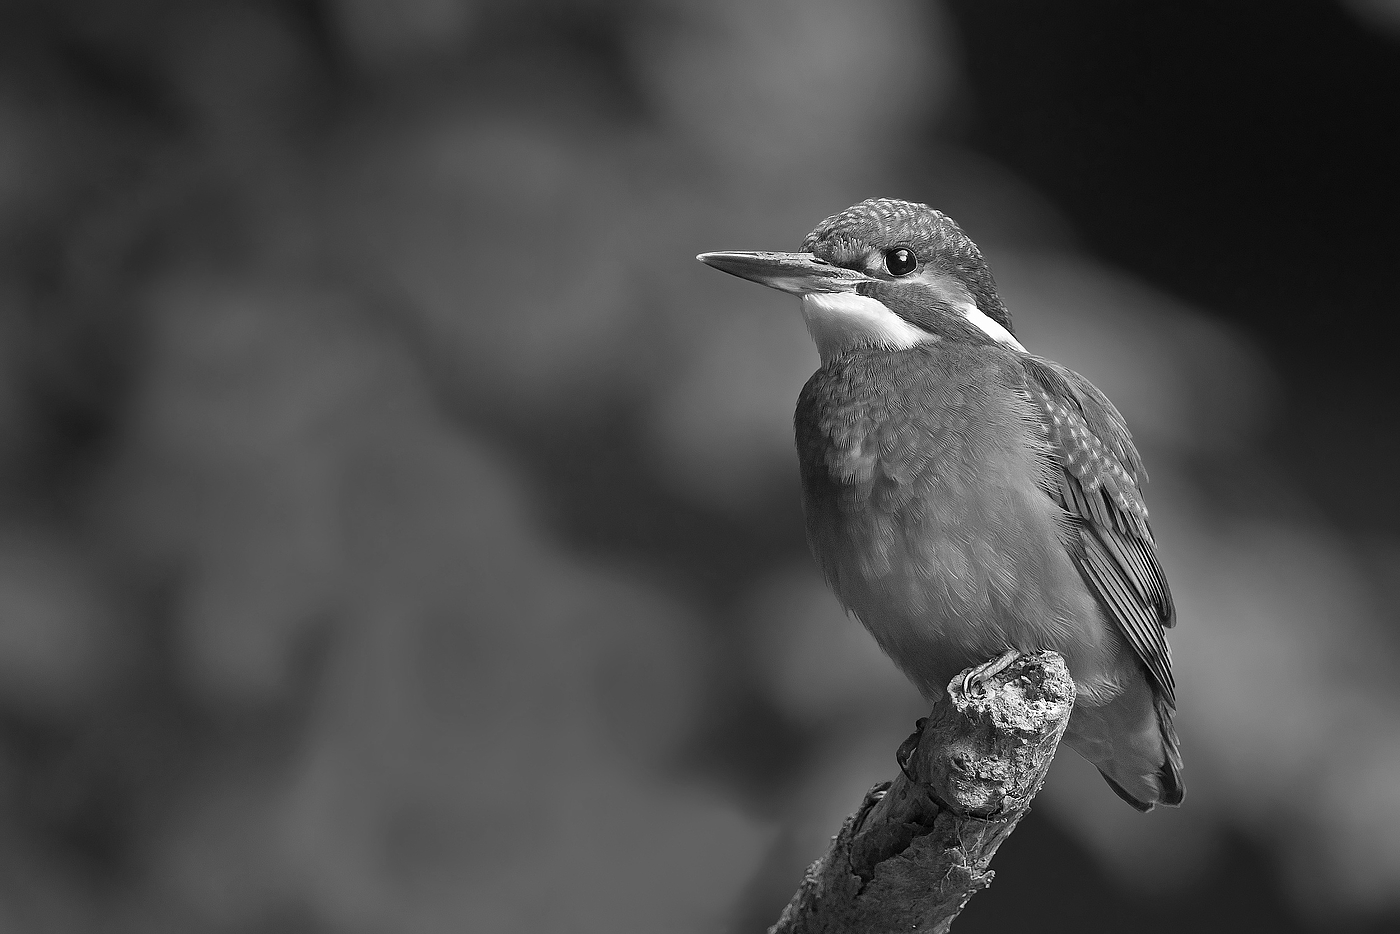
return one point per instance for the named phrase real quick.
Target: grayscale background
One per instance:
(399, 530)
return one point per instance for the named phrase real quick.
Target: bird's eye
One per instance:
(901, 261)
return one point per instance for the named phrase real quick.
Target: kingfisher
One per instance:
(966, 499)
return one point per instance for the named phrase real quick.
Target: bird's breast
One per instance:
(923, 474)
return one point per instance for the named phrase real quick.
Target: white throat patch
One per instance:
(840, 321)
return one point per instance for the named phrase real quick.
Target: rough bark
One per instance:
(913, 853)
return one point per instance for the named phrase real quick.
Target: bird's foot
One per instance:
(905, 753)
(979, 676)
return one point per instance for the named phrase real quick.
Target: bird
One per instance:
(967, 499)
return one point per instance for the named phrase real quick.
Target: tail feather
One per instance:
(1170, 790)
(1170, 774)
(1120, 791)
(1133, 744)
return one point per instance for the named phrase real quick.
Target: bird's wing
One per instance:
(1095, 476)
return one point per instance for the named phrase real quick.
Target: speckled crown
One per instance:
(877, 223)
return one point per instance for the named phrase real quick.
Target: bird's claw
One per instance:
(986, 671)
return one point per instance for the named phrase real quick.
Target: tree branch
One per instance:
(912, 854)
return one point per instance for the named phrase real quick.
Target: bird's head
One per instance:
(885, 274)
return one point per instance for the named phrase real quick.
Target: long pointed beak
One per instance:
(798, 273)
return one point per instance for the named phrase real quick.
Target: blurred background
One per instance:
(400, 532)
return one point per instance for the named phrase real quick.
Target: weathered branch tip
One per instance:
(913, 853)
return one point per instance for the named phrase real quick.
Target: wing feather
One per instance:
(1095, 475)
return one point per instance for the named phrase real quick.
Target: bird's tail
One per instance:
(1133, 743)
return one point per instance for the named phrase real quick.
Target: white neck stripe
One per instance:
(989, 326)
